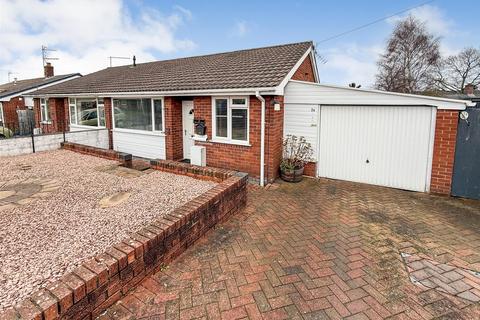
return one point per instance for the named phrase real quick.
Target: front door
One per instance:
(187, 123)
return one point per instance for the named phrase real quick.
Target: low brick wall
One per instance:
(101, 281)
(124, 158)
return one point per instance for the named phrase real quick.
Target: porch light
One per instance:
(276, 105)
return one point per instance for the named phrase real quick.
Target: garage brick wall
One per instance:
(444, 151)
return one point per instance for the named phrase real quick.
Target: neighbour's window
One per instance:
(44, 112)
(87, 111)
(138, 114)
(231, 119)
(1, 115)
(101, 112)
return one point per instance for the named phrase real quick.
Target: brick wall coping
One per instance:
(124, 158)
(100, 281)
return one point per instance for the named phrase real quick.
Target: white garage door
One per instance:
(380, 145)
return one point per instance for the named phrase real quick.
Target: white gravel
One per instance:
(50, 236)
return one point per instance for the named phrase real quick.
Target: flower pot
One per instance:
(295, 175)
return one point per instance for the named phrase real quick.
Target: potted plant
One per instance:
(296, 153)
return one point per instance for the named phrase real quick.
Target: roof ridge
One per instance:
(40, 78)
(215, 54)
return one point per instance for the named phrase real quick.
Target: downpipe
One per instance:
(262, 140)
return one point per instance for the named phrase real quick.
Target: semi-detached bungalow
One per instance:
(248, 100)
(16, 97)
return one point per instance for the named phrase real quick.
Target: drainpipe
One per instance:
(262, 140)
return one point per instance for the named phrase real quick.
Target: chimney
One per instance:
(48, 70)
(469, 89)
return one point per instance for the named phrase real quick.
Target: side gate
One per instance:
(466, 170)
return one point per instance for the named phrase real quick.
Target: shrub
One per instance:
(296, 152)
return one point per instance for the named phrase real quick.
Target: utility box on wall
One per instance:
(198, 156)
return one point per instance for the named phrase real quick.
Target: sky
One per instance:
(85, 33)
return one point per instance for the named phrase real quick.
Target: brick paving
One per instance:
(324, 249)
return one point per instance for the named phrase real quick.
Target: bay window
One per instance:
(231, 120)
(138, 114)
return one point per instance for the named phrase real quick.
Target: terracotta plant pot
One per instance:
(295, 175)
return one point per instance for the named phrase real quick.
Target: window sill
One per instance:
(141, 132)
(46, 122)
(238, 143)
(200, 138)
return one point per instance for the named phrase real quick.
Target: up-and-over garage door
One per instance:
(381, 145)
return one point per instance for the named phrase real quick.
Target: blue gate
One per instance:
(466, 170)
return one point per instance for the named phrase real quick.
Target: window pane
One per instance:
(133, 114)
(101, 116)
(221, 117)
(238, 101)
(100, 100)
(72, 115)
(221, 107)
(157, 106)
(71, 100)
(87, 114)
(239, 124)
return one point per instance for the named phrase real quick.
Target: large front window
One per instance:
(230, 119)
(87, 112)
(138, 114)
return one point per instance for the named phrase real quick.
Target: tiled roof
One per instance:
(253, 68)
(19, 86)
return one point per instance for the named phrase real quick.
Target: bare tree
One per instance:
(410, 59)
(455, 72)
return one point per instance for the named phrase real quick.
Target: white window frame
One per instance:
(44, 114)
(72, 102)
(230, 106)
(151, 132)
(1, 115)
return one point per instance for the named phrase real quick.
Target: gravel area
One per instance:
(43, 239)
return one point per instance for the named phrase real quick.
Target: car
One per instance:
(5, 133)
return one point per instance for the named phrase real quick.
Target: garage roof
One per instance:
(314, 93)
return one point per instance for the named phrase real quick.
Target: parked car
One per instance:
(5, 133)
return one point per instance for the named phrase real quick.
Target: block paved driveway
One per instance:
(324, 249)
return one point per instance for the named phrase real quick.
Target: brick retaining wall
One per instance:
(124, 158)
(101, 281)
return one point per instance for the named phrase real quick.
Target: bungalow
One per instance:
(239, 105)
(15, 97)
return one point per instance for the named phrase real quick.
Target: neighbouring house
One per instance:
(16, 101)
(470, 92)
(239, 106)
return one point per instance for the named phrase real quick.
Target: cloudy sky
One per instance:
(85, 33)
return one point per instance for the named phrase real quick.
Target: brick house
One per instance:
(247, 101)
(16, 96)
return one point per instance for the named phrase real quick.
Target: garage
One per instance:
(374, 137)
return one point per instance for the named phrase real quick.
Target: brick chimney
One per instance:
(48, 70)
(469, 89)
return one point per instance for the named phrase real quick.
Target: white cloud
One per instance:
(434, 18)
(350, 63)
(240, 29)
(84, 33)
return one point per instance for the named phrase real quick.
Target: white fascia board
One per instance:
(26, 92)
(206, 92)
(455, 103)
(281, 86)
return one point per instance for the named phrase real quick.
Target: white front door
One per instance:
(381, 145)
(187, 123)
